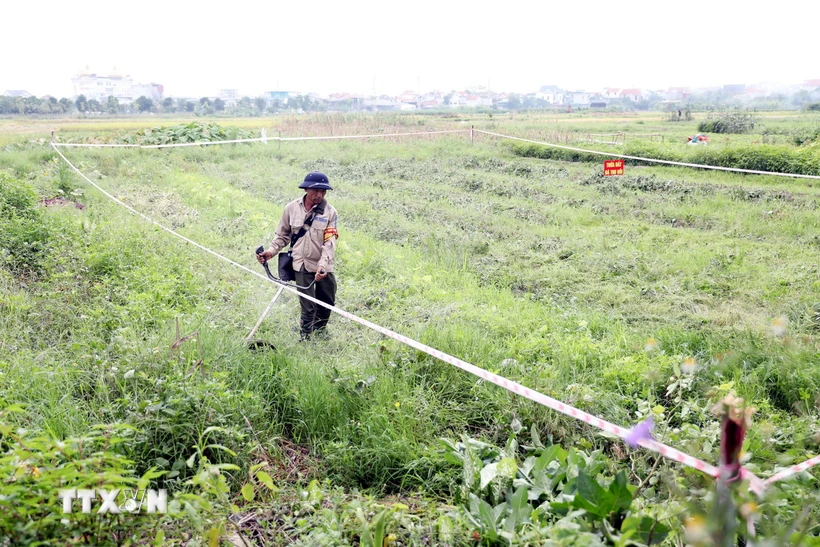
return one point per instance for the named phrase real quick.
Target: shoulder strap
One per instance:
(318, 210)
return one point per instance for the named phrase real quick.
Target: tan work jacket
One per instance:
(316, 249)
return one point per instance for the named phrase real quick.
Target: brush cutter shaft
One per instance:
(264, 314)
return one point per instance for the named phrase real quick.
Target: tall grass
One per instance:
(540, 271)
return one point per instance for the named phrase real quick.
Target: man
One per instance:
(313, 252)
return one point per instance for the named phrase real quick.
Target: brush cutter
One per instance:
(257, 345)
(272, 277)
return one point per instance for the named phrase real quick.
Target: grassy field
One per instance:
(593, 290)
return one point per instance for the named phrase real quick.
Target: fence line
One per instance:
(449, 131)
(257, 139)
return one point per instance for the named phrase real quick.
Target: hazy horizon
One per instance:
(366, 48)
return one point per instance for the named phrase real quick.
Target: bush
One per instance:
(23, 234)
(728, 122)
(168, 423)
(678, 115)
(807, 137)
(34, 468)
(812, 107)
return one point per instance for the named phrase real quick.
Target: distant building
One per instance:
(433, 96)
(676, 94)
(409, 97)
(754, 92)
(472, 100)
(279, 96)
(580, 98)
(229, 96)
(611, 93)
(632, 94)
(17, 93)
(734, 89)
(345, 101)
(458, 98)
(99, 87)
(810, 85)
(382, 104)
(151, 91)
(551, 94)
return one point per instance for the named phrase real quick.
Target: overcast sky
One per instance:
(197, 48)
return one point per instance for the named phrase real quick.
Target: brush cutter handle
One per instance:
(260, 250)
(272, 277)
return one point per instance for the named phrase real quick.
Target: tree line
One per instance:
(260, 106)
(204, 106)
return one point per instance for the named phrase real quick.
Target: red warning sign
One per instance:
(613, 167)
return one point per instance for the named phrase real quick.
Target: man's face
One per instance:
(314, 197)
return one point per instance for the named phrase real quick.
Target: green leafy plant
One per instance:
(507, 502)
(182, 133)
(34, 468)
(23, 232)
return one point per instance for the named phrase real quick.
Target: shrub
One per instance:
(728, 122)
(678, 115)
(806, 137)
(23, 234)
(168, 423)
(34, 468)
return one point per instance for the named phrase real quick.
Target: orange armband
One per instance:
(329, 233)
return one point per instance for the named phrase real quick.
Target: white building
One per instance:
(151, 91)
(100, 87)
(229, 96)
(17, 93)
(580, 98)
(458, 98)
(633, 94)
(409, 97)
(472, 100)
(551, 94)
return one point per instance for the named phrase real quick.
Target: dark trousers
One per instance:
(314, 316)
